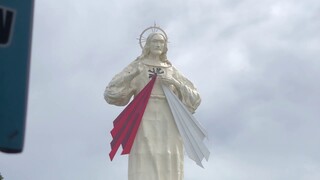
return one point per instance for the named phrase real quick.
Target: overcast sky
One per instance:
(255, 63)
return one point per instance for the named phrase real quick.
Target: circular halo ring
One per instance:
(154, 28)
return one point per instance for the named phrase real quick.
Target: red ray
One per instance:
(127, 123)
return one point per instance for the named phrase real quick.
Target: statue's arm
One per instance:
(188, 93)
(119, 90)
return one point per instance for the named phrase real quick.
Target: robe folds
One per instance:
(157, 152)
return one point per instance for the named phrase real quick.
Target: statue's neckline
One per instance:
(162, 64)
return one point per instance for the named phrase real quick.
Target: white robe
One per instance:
(157, 151)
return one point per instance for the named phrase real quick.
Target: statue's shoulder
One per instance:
(181, 77)
(134, 64)
(176, 70)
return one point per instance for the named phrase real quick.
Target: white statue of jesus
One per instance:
(157, 152)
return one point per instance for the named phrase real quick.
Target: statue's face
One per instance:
(157, 45)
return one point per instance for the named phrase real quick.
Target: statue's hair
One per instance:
(146, 48)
